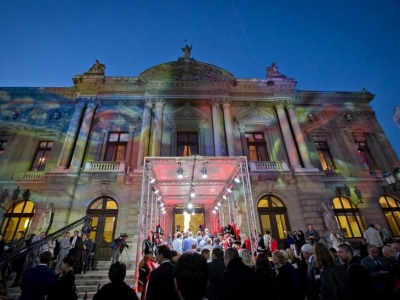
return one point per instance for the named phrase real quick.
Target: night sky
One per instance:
(326, 45)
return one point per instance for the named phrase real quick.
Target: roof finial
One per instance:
(186, 50)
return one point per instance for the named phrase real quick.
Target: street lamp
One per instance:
(390, 178)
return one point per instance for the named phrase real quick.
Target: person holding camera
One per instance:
(118, 245)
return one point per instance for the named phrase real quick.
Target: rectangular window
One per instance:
(42, 156)
(3, 145)
(187, 143)
(256, 146)
(324, 156)
(116, 146)
(366, 156)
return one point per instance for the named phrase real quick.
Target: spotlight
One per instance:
(237, 180)
(193, 213)
(204, 172)
(162, 204)
(152, 180)
(180, 171)
(159, 198)
(190, 205)
(219, 203)
(216, 208)
(214, 212)
(156, 192)
(184, 212)
(163, 212)
(229, 190)
(192, 193)
(224, 196)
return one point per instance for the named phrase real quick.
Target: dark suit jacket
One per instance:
(36, 283)
(238, 282)
(61, 289)
(381, 282)
(215, 270)
(161, 283)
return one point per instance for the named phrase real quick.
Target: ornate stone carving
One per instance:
(97, 68)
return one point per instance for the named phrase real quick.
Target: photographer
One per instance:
(118, 245)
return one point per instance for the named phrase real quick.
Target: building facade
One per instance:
(313, 157)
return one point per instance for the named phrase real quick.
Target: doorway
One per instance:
(188, 219)
(273, 217)
(104, 213)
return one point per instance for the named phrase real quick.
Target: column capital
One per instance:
(214, 102)
(242, 128)
(132, 128)
(159, 102)
(226, 102)
(289, 103)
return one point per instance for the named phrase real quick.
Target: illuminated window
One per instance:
(42, 156)
(366, 156)
(273, 217)
(348, 218)
(116, 146)
(3, 145)
(256, 146)
(187, 143)
(324, 156)
(18, 218)
(391, 210)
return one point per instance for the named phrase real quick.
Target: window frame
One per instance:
(352, 211)
(257, 144)
(189, 144)
(366, 156)
(40, 160)
(10, 214)
(116, 144)
(390, 209)
(326, 154)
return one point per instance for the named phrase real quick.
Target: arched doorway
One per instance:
(188, 219)
(273, 217)
(104, 213)
(348, 218)
(18, 218)
(391, 210)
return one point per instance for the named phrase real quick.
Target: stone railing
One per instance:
(104, 166)
(332, 174)
(268, 166)
(33, 175)
(372, 173)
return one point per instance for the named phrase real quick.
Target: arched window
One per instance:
(391, 210)
(18, 218)
(348, 218)
(104, 213)
(273, 217)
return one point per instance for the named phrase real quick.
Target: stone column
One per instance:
(71, 135)
(157, 129)
(245, 149)
(82, 141)
(226, 105)
(173, 141)
(129, 146)
(102, 143)
(299, 137)
(202, 146)
(216, 120)
(287, 135)
(145, 133)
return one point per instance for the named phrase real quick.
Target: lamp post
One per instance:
(391, 179)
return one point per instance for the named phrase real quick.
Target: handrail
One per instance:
(24, 251)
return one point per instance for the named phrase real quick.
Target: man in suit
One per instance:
(75, 241)
(359, 278)
(312, 235)
(161, 282)
(65, 245)
(379, 269)
(215, 269)
(37, 281)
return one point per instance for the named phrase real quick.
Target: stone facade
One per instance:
(190, 96)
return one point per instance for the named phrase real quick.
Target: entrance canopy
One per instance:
(220, 185)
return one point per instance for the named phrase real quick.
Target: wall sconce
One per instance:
(204, 172)
(180, 171)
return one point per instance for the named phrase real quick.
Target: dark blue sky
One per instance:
(326, 45)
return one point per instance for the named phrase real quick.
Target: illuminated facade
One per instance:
(312, 156)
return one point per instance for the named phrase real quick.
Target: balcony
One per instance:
(268, 166)
(34, 175)
(332, 174)
(372, 173)
(105, 166)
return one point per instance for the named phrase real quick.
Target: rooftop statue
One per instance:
(97, 68)
(272, 70)
(186, 51)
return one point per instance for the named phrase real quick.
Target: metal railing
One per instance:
(36, 245)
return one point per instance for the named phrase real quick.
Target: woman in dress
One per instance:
(334, 279)
(84, 254)
(65, 280)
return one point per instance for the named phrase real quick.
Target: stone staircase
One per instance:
(86, 282)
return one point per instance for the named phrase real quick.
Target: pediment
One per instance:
(187, 112)
(186, 70)
(253, 114)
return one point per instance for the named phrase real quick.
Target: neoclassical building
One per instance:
(307, 157)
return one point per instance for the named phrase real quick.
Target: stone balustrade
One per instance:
(268, 166)
(104, 166)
